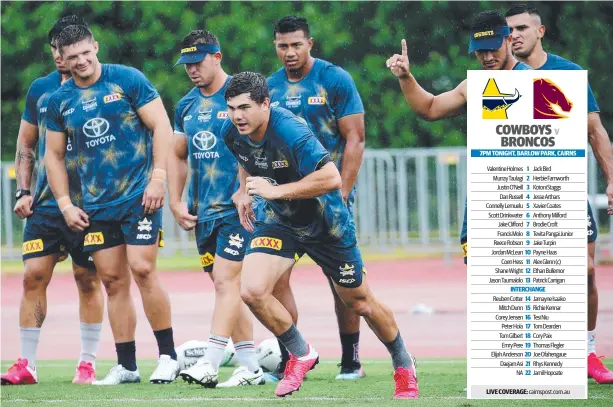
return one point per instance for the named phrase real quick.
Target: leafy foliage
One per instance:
(359, 36)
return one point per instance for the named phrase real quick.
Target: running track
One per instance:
(401, 284)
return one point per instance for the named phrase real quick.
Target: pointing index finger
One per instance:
(404, 48)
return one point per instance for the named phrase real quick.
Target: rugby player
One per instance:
(326, 97)
(527, 32)
(283, 163)
(221, 240)
(122, 135)
(47, 238)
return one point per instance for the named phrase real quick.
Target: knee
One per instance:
(87, 280)
(115, 285)
(253, 296)
(227, 286)
(143, 272)
(35, 278)
(591, 273)
(361, 306)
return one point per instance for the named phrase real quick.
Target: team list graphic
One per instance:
(527, 234)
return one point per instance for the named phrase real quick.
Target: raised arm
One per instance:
(25, 159)
(153, 114)
(425, 104)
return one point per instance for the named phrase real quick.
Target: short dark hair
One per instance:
(199, 37)
(521, 9)
(72, 35)
(291, 24)
(488, 20)
(62, 23)
(248, 82)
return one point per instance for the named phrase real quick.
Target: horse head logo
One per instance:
(549, 101)
(496, 104)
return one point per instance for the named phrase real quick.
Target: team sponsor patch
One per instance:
(222, 115)
(95, 238)
(280, 164)
(465, 249)
(316, 100)
(268, 242)
(113, 97)
(32, 246)
(207, 259)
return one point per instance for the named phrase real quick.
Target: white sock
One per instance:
(214, 353)
(90, 338)
(245, 353)
(29, 344)
(591, 341)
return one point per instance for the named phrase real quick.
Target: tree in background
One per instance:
(356, 35)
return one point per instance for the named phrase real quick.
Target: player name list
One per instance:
(528, 268)
(527, 265)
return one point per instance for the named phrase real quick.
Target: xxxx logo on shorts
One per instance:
(465, 249)
(268, 242)
(94, 238)
(206, 259)
(32, 246)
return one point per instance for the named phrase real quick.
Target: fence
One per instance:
(407, 199)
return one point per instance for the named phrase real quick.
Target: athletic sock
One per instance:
(245, 353)
(214, 352)
(90, 338)
(126, 355)
(294, 342)
(591, 341)
(284, 353)
(400, 356)
(29, 344)
(166, 344)
(351, 349)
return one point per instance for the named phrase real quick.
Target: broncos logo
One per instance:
(496, 104)
(549, 100)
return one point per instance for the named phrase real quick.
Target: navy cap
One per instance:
(195, 54)
(488, 39)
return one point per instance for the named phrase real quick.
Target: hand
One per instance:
(399, 64)
(186, 220)
(76, 219)
(345, 195)
(23, 207)
(245, 210)
(259, 186)
(153, 198)
(609, 193)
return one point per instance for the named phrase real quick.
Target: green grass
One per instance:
(442, 383)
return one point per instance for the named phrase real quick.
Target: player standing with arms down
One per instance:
(283, 163)
(527, 32)
(47, 238)
(326, 97)
(220, 237)
(122, 136)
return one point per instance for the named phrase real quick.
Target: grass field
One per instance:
(442, 383)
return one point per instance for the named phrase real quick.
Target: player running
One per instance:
(47, 238)
(326, 97)
(210, 211)
(283, 163)
(527, 32)
(122, 135)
